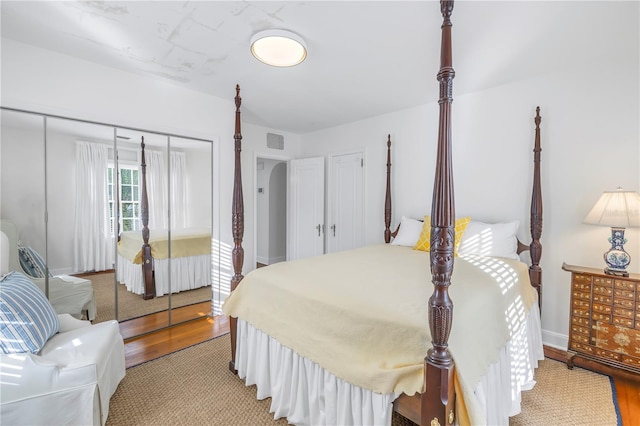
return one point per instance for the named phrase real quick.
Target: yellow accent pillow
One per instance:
(424, 242)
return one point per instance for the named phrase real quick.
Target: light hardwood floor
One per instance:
(145, 347)
(158, 343)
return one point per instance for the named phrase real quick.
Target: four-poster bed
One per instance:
(154, 262)
(355, 323)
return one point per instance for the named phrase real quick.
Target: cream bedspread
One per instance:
(184, 242)
(362, 314)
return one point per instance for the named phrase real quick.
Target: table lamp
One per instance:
(618, 209)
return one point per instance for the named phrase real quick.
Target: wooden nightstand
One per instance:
(604, 318)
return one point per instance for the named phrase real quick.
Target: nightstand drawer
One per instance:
(577, 294)
(602, 299)
(607, 282)
(613, 356)
(627, 285)
(623, 293)
(582, 348)
(624, 303)
(581, 278)
(598, 289)
(580, 312)
(627, 313)
(603, 309)
(579, 338)
(583, 321)
(575, 328)
(600, 317)
(635, 362)
(581, 304)
(623, 322)
(582, 286)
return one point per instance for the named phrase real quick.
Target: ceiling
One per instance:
(365, 58)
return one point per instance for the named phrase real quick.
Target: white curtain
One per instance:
(92, 235)
(178, 190)
(157, 189)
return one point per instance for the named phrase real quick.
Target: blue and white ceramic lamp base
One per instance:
(616, 258)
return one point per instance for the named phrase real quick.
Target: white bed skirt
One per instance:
(306, 394)
(187, 273)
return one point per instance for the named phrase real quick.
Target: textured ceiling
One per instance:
(365, 57)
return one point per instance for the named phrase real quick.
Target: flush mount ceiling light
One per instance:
(280, 48)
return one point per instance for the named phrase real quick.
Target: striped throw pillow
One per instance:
(32, 263)
(27, 319)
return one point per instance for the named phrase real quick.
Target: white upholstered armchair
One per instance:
(68, 294)
(55, 369)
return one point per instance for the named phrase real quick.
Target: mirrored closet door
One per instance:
(82, 206)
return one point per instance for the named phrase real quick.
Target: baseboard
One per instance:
(277, 259)
(61, 271)
(89, 274)
(270, 260)
(555, 340)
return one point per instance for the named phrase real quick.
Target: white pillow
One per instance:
(490, 239)
(409, 232)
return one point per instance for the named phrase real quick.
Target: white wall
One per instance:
(589, 131)
(199, 172)
(23, 162)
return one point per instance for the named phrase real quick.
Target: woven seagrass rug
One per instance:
(194, 387)
(132, 305)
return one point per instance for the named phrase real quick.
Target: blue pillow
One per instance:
(27, 319)
(32, 263)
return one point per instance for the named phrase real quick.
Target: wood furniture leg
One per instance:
(570, 356)
(147, 258)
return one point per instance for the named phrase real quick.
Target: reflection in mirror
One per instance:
(23, 180)
(191, 216)
(177, 178)
(79, 240)
(126, 205)
(74, 191)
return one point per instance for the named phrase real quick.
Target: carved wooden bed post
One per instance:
(147, 259)
(535, 248)
(438, 400)
(387, 196)
(237, 224)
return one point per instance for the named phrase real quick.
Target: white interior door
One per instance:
(346, 198)
(305, 227)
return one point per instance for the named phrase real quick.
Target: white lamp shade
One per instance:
(619, 209)
(279, 48)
